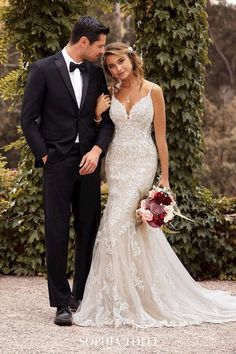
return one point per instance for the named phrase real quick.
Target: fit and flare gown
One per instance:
(136, 278)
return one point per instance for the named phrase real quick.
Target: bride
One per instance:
(136, 278)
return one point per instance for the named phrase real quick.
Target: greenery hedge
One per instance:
(173, 39)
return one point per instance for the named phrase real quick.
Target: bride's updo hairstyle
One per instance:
(121, 49)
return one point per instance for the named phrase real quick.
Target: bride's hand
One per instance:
(164, 182)
(103, 103)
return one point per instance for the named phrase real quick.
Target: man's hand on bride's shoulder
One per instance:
(103, 103)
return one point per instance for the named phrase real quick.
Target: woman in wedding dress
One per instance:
(135, 277)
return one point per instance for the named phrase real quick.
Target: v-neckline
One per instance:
(135, 104)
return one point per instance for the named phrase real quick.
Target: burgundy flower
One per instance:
(166, 200)
(162, 198)
(158, 196)
(157, 221)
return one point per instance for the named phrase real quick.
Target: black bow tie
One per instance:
(81, 66)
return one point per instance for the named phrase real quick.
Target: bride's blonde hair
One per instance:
(122, 50)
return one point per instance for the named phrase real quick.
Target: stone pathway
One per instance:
(26, 327)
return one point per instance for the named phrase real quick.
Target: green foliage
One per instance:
(3, 50)
(36, 29)
(7, 177)
(9, 89)
(40, 29)
(21, 229)
(173, 39)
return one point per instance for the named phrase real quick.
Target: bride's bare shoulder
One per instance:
(151, 86)
(156, 93)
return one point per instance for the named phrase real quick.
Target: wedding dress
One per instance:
(136, 278)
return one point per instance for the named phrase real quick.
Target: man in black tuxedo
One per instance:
(59, 123)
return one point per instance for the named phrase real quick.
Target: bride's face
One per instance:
(119, 67)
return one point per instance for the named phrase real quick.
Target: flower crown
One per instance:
(130, 50)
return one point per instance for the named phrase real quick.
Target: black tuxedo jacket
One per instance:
(50, 117)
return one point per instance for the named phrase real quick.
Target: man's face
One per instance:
(93, 51)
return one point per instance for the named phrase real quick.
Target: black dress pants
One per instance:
(66, 191)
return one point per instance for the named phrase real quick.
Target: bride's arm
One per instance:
(160, 133)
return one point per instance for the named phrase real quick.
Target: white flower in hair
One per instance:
(130, 50)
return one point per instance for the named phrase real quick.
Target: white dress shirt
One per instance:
(76, 80)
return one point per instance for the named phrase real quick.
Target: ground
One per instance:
(26, 327)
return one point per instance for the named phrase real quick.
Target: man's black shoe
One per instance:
(63, 317)
(74, 304)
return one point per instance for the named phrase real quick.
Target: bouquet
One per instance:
(159, 209)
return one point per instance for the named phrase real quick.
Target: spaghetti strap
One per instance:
(151, 89)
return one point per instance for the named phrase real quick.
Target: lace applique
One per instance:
(136, 280)
(109, 272)
(134, 246)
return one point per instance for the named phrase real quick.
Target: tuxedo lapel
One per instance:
(61, 65)
(85, 78)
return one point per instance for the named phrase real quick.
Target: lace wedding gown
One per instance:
(136, 278)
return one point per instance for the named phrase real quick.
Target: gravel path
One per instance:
(26, 327)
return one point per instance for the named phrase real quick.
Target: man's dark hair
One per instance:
(88, 27)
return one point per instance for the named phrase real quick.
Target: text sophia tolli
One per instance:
(119, 341)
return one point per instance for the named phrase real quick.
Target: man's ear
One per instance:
(84, 42)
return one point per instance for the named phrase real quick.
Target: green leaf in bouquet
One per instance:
(168, 231)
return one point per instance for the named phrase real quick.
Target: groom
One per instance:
(59, 123)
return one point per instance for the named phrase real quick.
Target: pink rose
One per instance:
(143, 204)
(152, 194)
(169, 213)
(147, 216)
